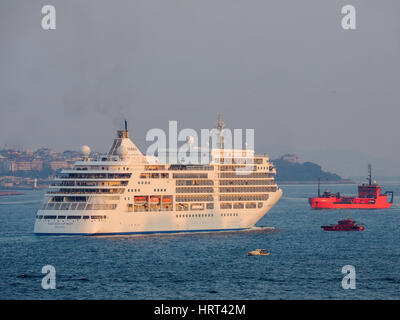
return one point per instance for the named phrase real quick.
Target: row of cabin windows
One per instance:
(78, 206)
(193, 206)
(237, 167)
(154, 167)
(256, 197)
(104, 168)
(202, 215)
(238, 160)
(249, 205)
(247, 176)
(194, 182)
(190, 167)
(86, 191)
(79, 199)
(229, 214)
(169, 207)
(194, 198)
(247, 189)
(133, 190)
(163, 175)
(245, 182)
(194, 190)
(97, 176)
(72, 217)
(89, 183)
(190, 176)
(154, 175)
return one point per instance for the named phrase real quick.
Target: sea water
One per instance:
(305, 261)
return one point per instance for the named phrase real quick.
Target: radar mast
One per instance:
(369, 178)
(220, 127)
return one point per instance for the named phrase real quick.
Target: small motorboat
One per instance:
(259, 252)
(344, 225)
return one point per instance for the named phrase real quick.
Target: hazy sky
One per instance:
(285, 68)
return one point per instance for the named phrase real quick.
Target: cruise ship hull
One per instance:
(120, 223)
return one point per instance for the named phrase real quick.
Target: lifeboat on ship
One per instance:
(140, 199)
(155, 199)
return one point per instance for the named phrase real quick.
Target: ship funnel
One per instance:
(124, 133)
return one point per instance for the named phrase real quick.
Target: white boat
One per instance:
(259, 252)
(125, 192)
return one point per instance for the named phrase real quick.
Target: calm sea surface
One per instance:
(305, 262)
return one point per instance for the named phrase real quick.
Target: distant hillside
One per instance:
(289, 170)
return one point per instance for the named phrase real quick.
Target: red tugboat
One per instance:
(344, 225)
(369, 197)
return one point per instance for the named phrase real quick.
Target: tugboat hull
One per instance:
(344, 225)
(349, 203)
(329, 228)
(369, 197)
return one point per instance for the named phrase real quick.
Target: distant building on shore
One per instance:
(34, 165)
(14, 182)
(291, 158)
(44, 160)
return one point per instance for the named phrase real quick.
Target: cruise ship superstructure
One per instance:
(126, 192)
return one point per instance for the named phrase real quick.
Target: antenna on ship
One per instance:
(369, 174)
(319, 187)
(220, 127)
(126, 126)
(220, 124)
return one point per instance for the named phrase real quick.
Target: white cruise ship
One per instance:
(125, 192)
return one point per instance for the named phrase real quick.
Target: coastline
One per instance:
(344, 181)
(11, 193)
